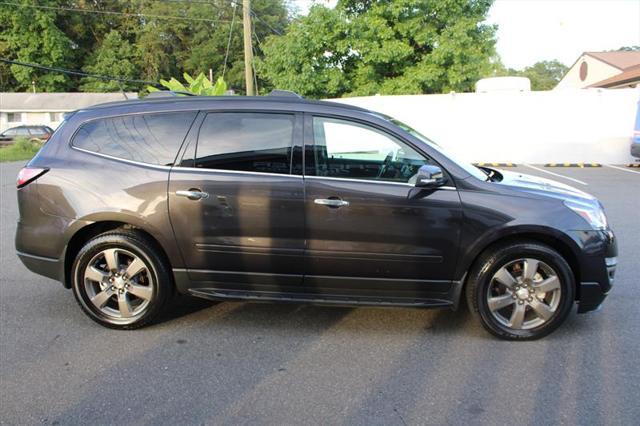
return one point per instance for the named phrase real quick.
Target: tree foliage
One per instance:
(114, 57)
(198, 86)
(145, 39)
(31, 35)
(366, 47)
(544, 75)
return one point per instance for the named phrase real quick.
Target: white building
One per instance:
(48, 108)
(602, 69)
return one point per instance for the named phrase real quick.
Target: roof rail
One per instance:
(167, 93)
(284, 94)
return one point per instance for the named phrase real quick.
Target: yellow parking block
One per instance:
(496, 164)
(581, 165)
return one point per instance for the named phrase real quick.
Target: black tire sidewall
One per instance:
(500, 257)
(138, 246)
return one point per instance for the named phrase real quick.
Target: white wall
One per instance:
(589, 125)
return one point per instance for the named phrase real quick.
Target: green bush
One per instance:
(21, 149)
(198, 86)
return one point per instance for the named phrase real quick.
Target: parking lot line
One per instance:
(624, 170)
(555, 174)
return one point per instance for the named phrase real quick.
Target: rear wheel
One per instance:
(120, 281)
(521, 291)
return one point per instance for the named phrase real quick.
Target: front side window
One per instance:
(246, 141)
(146, 138)
(344, 149)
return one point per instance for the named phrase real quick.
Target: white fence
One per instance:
(592, 125)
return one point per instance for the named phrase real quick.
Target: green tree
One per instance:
(545, 75)
(31, 35)
(170, 47)
(114, 57)
(367, 47)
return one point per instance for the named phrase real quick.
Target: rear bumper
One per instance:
(51, 268)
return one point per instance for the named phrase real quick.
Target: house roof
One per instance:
(24, 102)
(629, 76)
(618, 59)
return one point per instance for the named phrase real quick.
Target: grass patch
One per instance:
(22, 149)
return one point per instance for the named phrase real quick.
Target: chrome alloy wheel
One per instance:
(118, 284)
(524, 294)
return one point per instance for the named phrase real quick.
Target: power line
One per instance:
(111, 12)
(226, 55)
(255, 15)
(78, 73)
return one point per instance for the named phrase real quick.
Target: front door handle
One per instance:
(331, 202)
(192, 194)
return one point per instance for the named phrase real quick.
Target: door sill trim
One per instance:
(316, 299)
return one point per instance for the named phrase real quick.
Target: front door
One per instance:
(369, 231)
(238, 212)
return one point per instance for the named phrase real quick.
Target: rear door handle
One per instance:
(331, 202)
(192, 194)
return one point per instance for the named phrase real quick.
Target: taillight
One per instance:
(28, 175)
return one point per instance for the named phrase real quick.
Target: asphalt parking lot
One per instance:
(230, 363)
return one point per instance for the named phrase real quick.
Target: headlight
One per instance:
(593, 214)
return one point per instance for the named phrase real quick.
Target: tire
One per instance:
(115, 299)
(531, 300)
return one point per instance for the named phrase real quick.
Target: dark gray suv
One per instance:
(278, 198)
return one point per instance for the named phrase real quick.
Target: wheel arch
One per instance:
(85, 233)
(560, 242)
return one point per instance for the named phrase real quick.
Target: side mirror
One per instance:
(429, 177)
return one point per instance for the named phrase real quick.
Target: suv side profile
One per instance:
(38, 133)
(282, 199)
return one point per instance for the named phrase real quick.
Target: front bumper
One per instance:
(598, 270)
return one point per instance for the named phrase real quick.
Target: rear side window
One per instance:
(146, 138)
(252, 142)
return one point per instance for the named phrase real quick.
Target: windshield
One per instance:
(470, 168)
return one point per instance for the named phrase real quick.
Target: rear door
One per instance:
(236, 209)
(369, 231)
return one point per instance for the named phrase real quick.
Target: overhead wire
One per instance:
(76, 72)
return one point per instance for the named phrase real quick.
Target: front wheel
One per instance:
(521, 291)
(120, 281)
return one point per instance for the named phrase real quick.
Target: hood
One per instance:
(542, 186)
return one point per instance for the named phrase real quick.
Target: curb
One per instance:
(496, 164)
(581, 165)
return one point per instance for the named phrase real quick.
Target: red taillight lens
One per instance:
(28, 175)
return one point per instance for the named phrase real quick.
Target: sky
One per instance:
(534, 30)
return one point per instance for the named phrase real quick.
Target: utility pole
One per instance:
(248, 47)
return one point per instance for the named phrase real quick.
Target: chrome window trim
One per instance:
(378, 182)
(124, 160)
(198, 169)
(178, 168)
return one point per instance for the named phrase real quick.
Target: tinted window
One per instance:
(149, 138)
(351, 150)
(253, 142)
